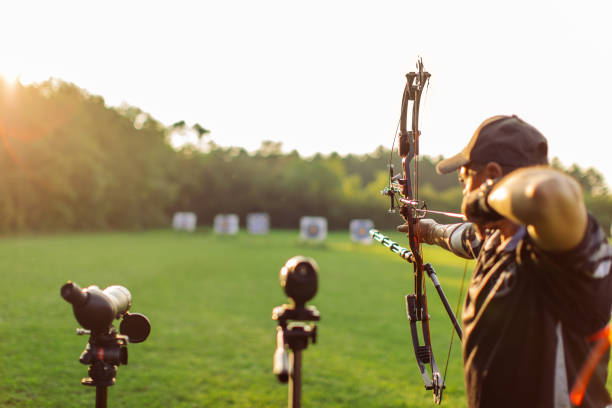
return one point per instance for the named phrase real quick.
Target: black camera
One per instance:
(299, 279)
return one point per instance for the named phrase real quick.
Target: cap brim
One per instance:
(452, 163)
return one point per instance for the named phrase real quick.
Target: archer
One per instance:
(542, 282)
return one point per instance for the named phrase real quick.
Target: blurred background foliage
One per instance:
(68, 162)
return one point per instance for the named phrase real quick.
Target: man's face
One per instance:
(471, 177)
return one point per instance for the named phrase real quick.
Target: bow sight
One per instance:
(95, 310)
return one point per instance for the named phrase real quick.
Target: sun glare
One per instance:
(9, 76)
(14, 75)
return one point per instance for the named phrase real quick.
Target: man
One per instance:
(542, 283)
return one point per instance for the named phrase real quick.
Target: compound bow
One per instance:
(404, 195)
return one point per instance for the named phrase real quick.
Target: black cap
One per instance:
(506, 140)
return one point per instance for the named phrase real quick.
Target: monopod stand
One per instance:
(296, 336)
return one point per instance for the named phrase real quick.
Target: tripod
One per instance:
(296, 335)
(103, 353)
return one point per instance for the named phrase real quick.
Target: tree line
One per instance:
(68, 162)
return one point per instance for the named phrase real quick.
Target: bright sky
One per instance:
(323, 76)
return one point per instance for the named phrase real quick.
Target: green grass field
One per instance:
(209, 300)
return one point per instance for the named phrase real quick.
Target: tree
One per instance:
(200, 132)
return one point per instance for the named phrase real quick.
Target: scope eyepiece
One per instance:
(73, 294)
(299, 279)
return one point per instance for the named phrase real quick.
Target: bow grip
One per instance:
(404, 143)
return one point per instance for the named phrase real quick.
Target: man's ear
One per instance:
(493, 171)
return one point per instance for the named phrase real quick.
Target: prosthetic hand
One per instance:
(432, 233)
(447, 236)
(426, 229)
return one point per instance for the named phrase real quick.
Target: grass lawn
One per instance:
(209, 300)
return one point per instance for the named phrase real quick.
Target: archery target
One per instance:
(226, 224)
(177, 221)
(258, 223)
(184, 221)
(360, 230)
(313, 228)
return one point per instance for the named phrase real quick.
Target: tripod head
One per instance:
(96, 310)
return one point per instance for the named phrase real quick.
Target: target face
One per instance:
(226, 224)
(258, 223)
(312, 231)
(184, 221)
(360, 230)
(313, 228)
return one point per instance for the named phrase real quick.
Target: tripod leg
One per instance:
(295, 380)
(101, 394)
(281, 357)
